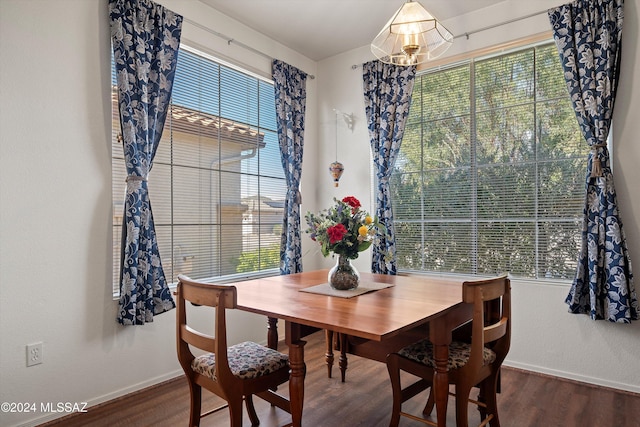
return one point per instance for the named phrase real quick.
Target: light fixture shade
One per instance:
(412, 36)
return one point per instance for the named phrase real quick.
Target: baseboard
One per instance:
(105, 398)
(599, 382)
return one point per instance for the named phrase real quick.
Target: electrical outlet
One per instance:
(34, 354)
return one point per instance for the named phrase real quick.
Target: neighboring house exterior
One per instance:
(196, 194)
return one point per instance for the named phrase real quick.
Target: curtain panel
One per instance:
(588, 35)
(145, 38)
(291, 97)
(387, 97)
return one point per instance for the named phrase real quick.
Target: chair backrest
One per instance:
(491, 326)
(217, 296)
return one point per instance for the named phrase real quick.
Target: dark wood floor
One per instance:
(365, 400)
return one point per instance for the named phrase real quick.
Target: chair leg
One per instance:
(482, 409)
(235, 413)
(491, 385)
(462, 405)
(251, 410)
(431, 402)
(394, 376)
(196, 404)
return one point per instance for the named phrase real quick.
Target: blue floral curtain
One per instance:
(291, 97)
(145, 39)
(387, 96)
(588, 34)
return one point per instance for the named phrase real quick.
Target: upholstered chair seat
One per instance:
(246, 360)
(459, 352)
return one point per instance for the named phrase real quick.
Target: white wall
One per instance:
(545, 337)
(55, 204)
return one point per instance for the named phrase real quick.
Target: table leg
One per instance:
(328, 357)
(441, 382)
(343, 356)
(297, 373)
(440, 334)
(272, 333)
(272, 336)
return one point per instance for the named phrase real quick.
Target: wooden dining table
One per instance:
(411, 303)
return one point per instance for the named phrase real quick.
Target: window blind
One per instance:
(490, 176)
(216, 187)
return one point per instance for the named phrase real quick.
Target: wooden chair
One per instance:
(235, 373)
(470, 365)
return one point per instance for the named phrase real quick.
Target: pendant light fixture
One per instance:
(412, 36)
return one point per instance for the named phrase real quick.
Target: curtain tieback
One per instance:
(298, 197)
(596, 166)
(135, 178)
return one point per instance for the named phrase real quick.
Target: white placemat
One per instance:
(326, 289)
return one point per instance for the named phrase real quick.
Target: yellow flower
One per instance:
(368, 220)
(363, 230)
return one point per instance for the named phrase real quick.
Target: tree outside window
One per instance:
(491, 170)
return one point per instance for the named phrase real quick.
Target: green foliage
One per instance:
(490, 175)
(260, 259)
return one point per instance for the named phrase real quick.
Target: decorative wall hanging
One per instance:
(336, 168)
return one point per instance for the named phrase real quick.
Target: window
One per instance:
(216, 187)
(490, 176)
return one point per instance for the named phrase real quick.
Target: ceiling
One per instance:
(319, 29)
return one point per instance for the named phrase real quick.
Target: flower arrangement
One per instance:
(344, 229)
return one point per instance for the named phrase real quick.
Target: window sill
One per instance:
(518, 280)
(230, 278)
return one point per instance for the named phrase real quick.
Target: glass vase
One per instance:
(343, 276)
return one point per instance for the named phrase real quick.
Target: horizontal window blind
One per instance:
(216, 187)
(490, 176)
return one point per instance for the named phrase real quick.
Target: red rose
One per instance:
(336, 233)
(353, 202)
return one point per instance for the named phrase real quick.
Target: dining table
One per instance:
(389, 307)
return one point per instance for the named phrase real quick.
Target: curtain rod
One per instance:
(489, 27)
(234, 41)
